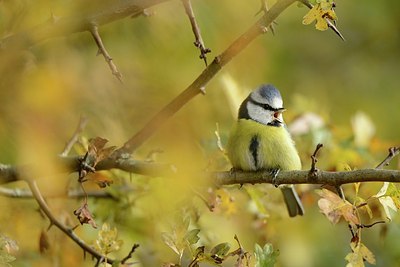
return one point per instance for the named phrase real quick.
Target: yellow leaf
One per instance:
(320, 13)
(359, 254)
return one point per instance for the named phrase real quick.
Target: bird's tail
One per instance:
(292, 200)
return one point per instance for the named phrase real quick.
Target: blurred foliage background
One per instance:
(350, 90)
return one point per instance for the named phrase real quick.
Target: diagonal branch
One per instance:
(196, 30)
(201, 81)
(68, 231)
(102, 50)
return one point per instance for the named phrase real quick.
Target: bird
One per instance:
(259, 140)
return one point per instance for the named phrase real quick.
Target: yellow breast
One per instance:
(275, 148)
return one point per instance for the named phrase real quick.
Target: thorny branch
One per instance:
(102, 50)
(264, 9)
(198, 85)
(196, 30)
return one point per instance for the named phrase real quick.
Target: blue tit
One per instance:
(260, 141)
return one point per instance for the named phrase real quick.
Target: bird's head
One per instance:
(264, 105)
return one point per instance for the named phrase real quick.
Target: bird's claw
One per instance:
(274, 174)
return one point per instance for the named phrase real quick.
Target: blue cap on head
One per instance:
(268, 91)
(267, 94)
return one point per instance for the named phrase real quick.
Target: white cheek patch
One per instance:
(259, 114)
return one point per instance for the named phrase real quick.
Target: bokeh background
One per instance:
(348, 89)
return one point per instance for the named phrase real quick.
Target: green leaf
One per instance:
(265, 257)
(221, 249)
(192, 236)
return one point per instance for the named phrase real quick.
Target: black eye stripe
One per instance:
(264, 106)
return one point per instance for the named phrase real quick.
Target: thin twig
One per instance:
(200, 82)
(393, 152)
(369, 225)
(102, 50)
(74, 138)
(314, 160)
(196, 30)
(134, 247)
(69, 232)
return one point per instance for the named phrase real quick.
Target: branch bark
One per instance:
(198, 86)
(304, 177)
(57, 27)
(199, 43)
(10, 173)
(102, 50)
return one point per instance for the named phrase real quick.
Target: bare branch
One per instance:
(303, 177)
(103, 51)
(201, 81)
(78, 23)
(196, 30)
(264, 8)
(68, 146)
(10, 173)
(69, 232)
(134, 247)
